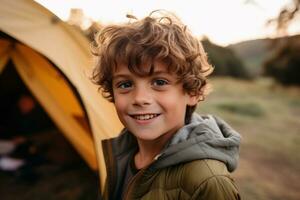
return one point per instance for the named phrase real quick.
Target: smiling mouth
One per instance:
(144, 116)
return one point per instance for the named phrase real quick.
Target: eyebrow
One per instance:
(120, 76)
(159, 72)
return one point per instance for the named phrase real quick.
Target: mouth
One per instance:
(144, 116)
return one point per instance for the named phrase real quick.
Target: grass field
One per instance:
(268, 118)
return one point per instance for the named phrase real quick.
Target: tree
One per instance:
(286, 16)
(284, 66)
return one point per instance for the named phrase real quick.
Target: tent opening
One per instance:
(21, 114)
(49, 160)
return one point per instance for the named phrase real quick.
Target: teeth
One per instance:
(145, 117)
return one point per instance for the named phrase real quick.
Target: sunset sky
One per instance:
(223, 21)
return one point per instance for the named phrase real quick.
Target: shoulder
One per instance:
(199, 171)
(200, 179)
(207, 177)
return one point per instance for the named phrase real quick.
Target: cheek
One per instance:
(173, 104)
(120, 103)
(121, 110)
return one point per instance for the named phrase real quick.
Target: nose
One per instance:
(142, 96)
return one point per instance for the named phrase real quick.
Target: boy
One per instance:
(154, 71)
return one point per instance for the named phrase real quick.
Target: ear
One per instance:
(192, 100)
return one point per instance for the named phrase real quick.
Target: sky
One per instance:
(224, 22)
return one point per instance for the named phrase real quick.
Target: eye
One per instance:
(160, 82)
(124, 85)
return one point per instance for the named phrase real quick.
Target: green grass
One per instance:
(245, 109)
(268, 117)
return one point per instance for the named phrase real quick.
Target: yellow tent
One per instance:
(53, 59)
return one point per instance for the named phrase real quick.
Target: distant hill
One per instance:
(225, 61)
(255, 52)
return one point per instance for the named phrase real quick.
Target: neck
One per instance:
(148, 150)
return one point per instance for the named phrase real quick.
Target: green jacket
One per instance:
(195, 164)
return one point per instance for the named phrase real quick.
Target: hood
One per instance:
(206, 137)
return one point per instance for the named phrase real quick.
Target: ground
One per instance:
(62, 176)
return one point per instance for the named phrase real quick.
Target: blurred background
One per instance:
(254, 46)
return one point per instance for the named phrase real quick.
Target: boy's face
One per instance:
(151, 107)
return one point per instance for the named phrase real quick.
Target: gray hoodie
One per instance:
(206, 137)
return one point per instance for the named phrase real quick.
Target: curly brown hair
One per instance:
(153, 38)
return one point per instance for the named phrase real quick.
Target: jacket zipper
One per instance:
(136, 176)
(131, 182)
(110, 166)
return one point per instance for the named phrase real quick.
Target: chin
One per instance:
(146, 137)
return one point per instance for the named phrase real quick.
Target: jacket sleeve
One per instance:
(216, 188)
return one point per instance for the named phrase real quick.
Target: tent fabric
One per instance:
(40, 77)
(41, 36)
(4, 54)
